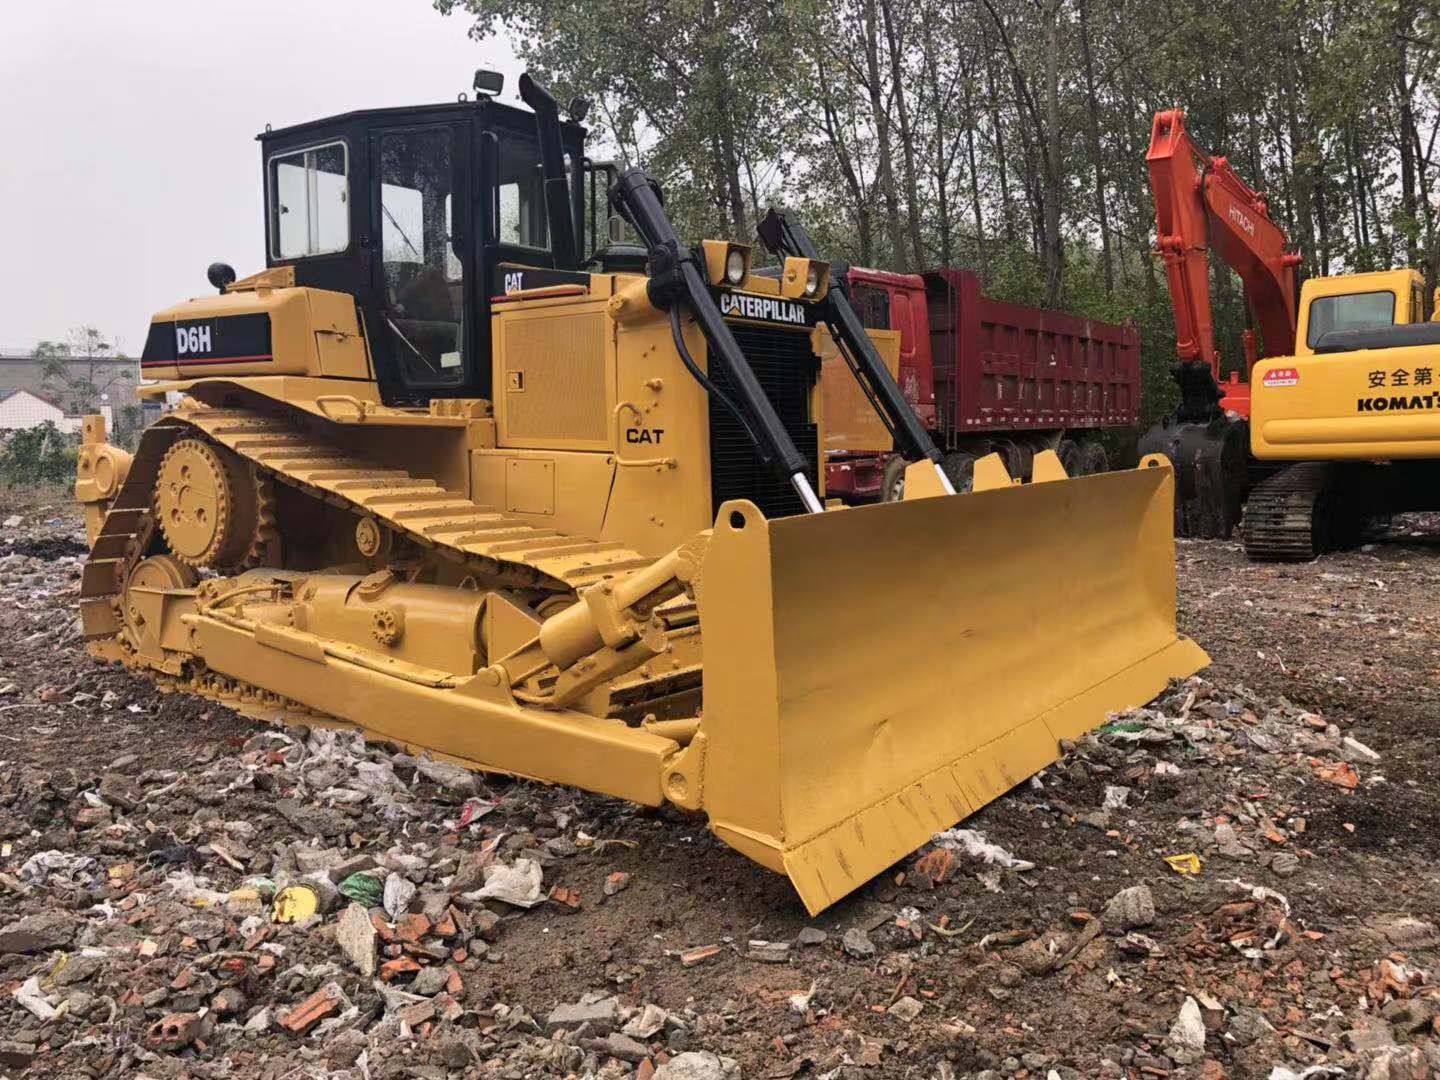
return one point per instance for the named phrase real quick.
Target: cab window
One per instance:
(424, 294)
(309, 201)
(1357, 311)
(873, 305)
(520, 195)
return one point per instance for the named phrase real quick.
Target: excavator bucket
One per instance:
(876, 675)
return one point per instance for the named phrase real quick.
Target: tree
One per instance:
(1010, 135)
(76, 371)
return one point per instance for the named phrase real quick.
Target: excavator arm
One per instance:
(1202, 205)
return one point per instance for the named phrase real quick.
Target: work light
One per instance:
(735, 266)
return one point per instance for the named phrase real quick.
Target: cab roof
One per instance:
(449, 109)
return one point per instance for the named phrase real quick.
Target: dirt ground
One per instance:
(142, 837)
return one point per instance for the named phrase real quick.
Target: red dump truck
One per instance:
(984, 376)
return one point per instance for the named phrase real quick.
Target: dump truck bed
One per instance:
(1001, 366)
(975, 370)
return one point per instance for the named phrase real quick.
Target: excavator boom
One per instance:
(1201, 205)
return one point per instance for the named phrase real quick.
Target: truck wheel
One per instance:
(1017, 461)
(960, 468)
(1093, 458)
(892, 488)
(1070, 457)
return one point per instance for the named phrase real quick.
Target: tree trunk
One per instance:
(1054, 245)
(974, 179)
(885, 170)
(1092, 130)
(907, 139)
(835, 134)
(1007, 210)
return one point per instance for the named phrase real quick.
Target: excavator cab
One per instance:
(1351, 420)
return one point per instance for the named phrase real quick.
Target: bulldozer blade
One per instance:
(876, 675)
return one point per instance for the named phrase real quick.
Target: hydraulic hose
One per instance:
(675, 278)
(784, 235)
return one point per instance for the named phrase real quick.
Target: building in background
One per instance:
(113, 378)
(20, 409)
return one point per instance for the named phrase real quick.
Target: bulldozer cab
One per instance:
(425, 214)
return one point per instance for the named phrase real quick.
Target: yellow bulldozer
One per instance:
(441, 473)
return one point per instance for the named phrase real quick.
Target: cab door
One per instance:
(423, 268)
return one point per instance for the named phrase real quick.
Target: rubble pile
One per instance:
(1235, 880)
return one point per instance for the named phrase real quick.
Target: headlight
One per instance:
(804, 279)
(735, 267)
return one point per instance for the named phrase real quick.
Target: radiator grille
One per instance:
(787, 369)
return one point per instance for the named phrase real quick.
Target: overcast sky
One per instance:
(128, 160)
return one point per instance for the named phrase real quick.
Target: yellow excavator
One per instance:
(1351, 420)
(440, 473)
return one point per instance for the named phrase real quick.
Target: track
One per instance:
(1300, 513)
(491, 544)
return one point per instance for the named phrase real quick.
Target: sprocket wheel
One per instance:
(213, 507)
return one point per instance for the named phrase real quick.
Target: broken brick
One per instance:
(411, 928)
(569, 898)
(692, 957)
(401, 965)
(312, 1010)
(173, 1032)
(936, 865)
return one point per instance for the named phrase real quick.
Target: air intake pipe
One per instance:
(552, 163)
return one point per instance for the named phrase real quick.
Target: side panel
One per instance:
(554, 369)
(338, 341)
(1371, 405)
(565, 491)
(264, 332)
(1002, 366)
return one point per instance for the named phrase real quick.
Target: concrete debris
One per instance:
(600, 1016)
(811, 935)
(146, 838)
(770, 952)
(857, 943)
(1130, 908)
(906, 1009)
(355, 933)
(698, 1065)
(1186, 1041)
(646, 1024)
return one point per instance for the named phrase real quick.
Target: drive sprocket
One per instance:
(212, 506)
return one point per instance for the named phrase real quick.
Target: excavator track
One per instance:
(491, 543)
(1300, 513)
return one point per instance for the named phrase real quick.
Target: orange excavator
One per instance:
(1202, 205)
